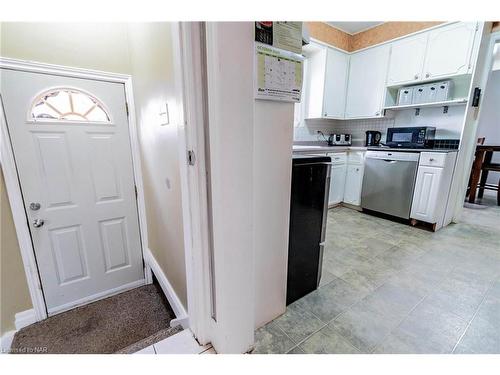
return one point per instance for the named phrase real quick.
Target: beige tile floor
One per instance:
(391, 288)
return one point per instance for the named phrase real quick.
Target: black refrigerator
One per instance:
(308, 213)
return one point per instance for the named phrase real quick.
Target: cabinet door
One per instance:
(335, 84)
(449, 50)
(425, 195)
(366, 83)
(353, 183)
(407, 60)
(314, 81)
(337, 183)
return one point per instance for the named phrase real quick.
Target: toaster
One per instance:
(339, 140)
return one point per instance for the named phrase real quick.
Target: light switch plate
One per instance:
(164, 116)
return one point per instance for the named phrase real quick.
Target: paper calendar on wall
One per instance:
(278, 74)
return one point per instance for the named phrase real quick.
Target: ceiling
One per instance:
(353, 27)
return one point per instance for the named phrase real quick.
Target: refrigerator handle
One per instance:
(323, 224)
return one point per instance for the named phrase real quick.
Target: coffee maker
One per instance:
(373, 138)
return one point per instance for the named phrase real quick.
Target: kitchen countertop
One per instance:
(325, 149)
(411, 149)
(299, 149)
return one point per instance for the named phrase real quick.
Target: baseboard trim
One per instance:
(7, 338)
(25, 318)
(176, 304)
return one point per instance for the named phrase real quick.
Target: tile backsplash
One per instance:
(448, 125)
(307, 131)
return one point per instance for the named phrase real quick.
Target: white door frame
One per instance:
(468, 141)
(12, 183)
(189, 64)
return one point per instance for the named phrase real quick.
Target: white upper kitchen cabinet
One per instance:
(326, 80)
(449, 50)
(407, 60)
(335, 83)
(366, 82)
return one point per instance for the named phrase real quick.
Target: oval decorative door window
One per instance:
(65, 104)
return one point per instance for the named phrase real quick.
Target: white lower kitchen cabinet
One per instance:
(432, 186)
(353, 183)
(337, 183)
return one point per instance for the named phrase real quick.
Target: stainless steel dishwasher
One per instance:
(388, 182)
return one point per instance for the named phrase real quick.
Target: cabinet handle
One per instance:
(377, 113)
(427, 75)
(416, 76)
(432, 159)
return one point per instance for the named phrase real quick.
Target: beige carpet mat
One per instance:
(110, 325)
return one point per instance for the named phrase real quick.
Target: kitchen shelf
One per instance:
(448, 103)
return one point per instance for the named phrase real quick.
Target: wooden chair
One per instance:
(480, 141)
(488, 167)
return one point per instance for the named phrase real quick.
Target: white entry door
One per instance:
(73, 155)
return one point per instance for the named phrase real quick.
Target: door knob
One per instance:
(427, 75)
(37, 223)
(34, 206)
(416, 76)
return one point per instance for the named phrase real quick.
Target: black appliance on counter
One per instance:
(372, 138)
(411, 137)
(308, 213)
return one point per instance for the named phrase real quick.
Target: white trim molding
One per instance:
(181, 315)
(25, 318)
(12, 183)
(6, 342)
(13, 188)
(189, 63)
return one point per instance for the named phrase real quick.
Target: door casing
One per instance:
(12, 183)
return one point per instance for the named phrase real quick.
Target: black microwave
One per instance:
(411, 137)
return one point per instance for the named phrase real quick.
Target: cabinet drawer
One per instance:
(338, 157)
(356, 157)
(432, 159)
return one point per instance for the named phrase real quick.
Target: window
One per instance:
(68, 105)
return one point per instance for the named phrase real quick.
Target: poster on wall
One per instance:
(284, 35)
(278, 74)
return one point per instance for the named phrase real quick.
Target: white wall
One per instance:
(496, 57)
(151, 57)
(273, 138)
(489, 123)
(250, 154)
(101, 46)
(230, 106)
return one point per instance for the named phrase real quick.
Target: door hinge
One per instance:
(476, 97)
(126, 108)
(191, 157)
(135, 189)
